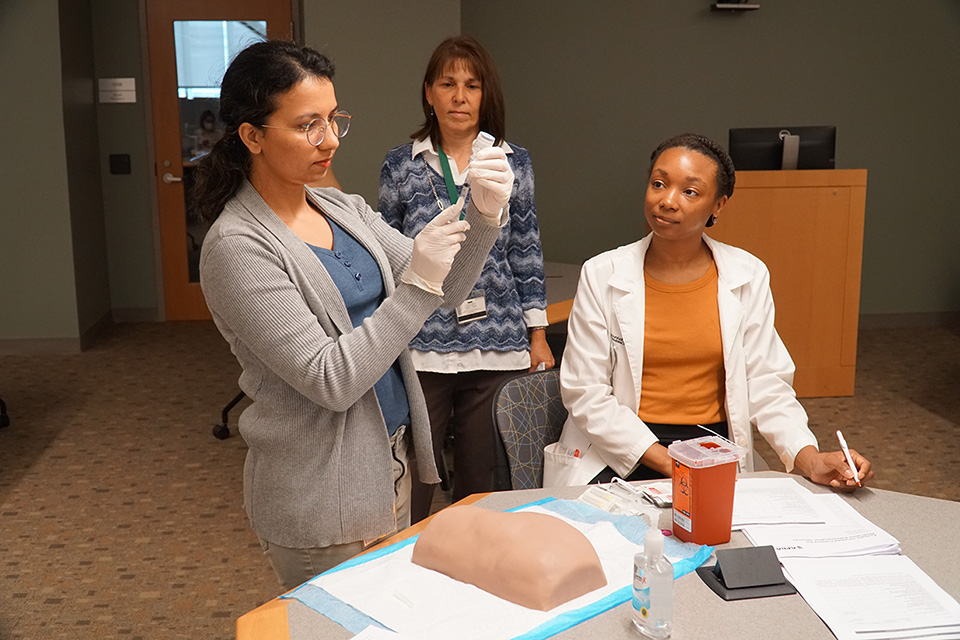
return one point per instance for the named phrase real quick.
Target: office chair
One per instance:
(220, 430)
(529, 415)
(4, 418)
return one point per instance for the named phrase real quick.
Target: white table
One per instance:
(925, 527)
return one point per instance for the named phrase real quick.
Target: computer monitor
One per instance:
(770, 148)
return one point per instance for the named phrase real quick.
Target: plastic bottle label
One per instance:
(641, 594)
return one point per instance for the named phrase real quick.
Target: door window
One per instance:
(204, 49)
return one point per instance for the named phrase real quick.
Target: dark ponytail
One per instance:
(248, 93)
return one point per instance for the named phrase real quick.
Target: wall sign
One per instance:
(118, 89)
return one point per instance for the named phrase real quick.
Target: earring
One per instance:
(712, 221)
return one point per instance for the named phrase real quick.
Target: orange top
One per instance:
(682, 353)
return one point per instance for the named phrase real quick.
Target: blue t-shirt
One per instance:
(358, 278)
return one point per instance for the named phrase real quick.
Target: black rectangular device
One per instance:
(762, 148)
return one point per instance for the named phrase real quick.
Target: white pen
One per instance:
(846, 453)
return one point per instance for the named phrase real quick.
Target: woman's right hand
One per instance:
(434, 249)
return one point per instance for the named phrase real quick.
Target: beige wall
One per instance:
(37, 286)
(128, 200)
(593, 87)
(83, 167)
(381, 51)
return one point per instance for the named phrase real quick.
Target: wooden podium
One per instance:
(807, 226)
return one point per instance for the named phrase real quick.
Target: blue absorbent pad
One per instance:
(633, 528)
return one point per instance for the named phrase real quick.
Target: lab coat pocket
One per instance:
(560, 464)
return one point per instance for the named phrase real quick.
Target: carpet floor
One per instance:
(120, 513)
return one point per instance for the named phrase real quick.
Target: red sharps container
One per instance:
(704, 477)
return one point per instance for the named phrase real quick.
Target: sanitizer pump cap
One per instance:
(653, 543)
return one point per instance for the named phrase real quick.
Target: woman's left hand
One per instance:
(831, 468)
(491, 181)
(540, 351)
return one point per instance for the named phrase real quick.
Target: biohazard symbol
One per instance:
(684, 485)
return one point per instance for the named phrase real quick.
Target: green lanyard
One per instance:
(452, 190)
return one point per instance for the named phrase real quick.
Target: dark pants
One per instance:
(666, 434)
(465, 400)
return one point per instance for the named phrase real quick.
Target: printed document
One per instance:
(845, 533)
(773, 501)
(875, 597)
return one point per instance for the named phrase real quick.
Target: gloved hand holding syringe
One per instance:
(437, 243)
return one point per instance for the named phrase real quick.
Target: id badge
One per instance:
(473, 308)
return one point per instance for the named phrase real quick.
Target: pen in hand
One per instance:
(846, 453)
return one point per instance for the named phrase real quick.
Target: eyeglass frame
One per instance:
(305, 128)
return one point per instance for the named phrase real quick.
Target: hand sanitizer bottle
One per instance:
(653, 588)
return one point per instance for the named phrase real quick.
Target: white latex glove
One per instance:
(434, 249)
(491, 181)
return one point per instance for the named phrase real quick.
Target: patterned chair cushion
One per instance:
(529, 414)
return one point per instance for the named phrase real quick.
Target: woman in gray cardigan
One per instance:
(318, 298)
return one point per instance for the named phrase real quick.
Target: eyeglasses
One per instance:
(316, 129)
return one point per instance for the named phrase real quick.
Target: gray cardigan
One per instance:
(319, 469)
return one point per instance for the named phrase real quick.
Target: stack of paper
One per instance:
(798, 523)
(773, 501)
(880, 598)
(849, 570)
(843, 533)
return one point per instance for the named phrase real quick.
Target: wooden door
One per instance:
(189, 43)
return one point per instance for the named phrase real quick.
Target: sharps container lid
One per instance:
(708, 451)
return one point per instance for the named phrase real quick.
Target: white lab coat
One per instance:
(602, 366)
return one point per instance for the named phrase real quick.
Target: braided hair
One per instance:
(726, 174)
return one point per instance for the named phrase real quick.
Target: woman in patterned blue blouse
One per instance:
(463, 355)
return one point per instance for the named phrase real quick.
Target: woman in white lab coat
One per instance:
(676, 331)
